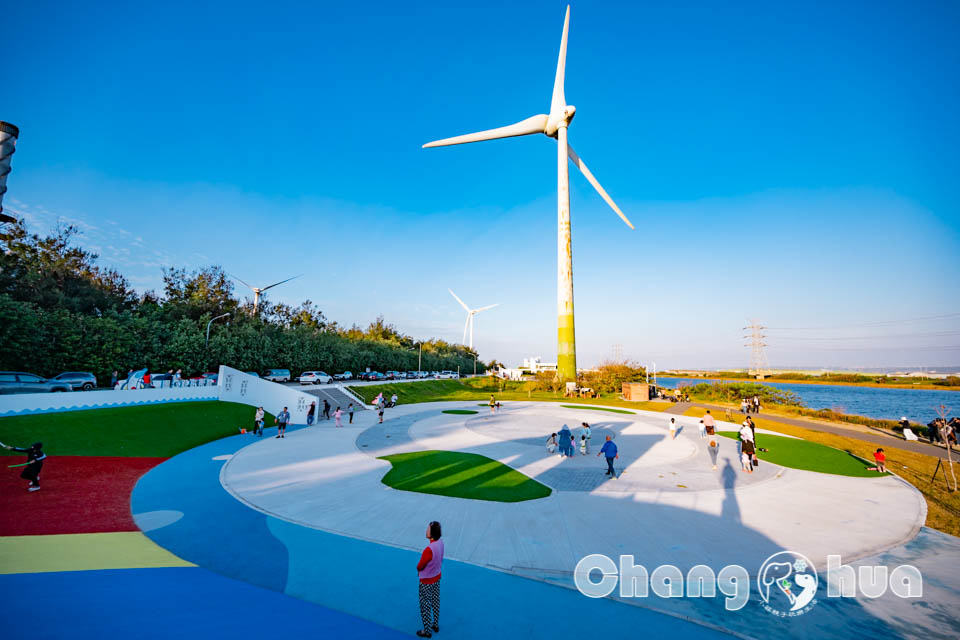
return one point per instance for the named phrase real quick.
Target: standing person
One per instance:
(428, 570)
(326, 409)
(310, 413)
(747, 449)
(703, 429)
(583, 445)
(338, 414)
(753, 434)
(113, 380)
(708, 422)
(380, 409)
(744, 407)
(493, 404)
(756, 404)
(35, 458)
(178, 378)
(350, 412)
(609, 450)
(258, 422)
(713, 444)
(564, 437)
(673, 428)
(282, 419)
(393, 400)
(587, 433)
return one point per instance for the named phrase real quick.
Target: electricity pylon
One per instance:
(759, 367)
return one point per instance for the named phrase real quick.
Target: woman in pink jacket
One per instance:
(428, 570)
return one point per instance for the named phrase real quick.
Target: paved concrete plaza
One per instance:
(667, 506)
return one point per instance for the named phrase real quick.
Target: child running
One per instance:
(34, 464)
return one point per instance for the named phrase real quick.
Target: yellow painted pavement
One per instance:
(83, 552)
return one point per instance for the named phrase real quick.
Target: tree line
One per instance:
(61, 311)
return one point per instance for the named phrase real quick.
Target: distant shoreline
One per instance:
(876, 385)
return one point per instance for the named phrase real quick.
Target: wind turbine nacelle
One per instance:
(557, 119)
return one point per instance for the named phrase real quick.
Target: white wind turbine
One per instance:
(470, 314)
(258, 290)
(554, 125)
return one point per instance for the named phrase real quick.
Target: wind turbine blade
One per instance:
(467, 324)
(533, 124)
(558, 102)
(279, 283)
(491, 306)
(238, 280)
(596, 185)
(465, 307)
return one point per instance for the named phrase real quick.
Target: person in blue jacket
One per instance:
(564, 438)
(609, 450)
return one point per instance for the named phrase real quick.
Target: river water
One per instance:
(917, 405)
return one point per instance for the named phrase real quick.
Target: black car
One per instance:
(19, 382)
(78, 380)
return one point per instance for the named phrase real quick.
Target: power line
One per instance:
(880, 323)
(932, 334)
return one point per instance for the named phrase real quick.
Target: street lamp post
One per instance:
(474, 364)
(207, 343)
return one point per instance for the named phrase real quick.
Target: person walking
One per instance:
(380, 408)
(429, 572)
(609, 450)
(258, 422)
(282, 419)
(713, 443)
(744, 407)
(756, 404)
(393, 400)
(673, 428)
(350, 412)
(326, 409)
(746, 447)
(703, 429)
(753, 434)
(310, 413)
(708, 422)
(587, 433)
(338, 414)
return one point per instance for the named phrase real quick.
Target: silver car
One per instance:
(78, 380)
(19, 382)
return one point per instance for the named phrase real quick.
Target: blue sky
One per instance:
(791, 162)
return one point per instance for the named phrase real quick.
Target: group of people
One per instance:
(942, 430)
(566, 441)
(283, 418)
(750, 405)
(748, 445)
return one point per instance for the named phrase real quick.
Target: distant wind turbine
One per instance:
(470, 314)
(258, 290)
(554, 125)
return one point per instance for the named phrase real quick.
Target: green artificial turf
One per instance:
(459, 412)
(809, 456)
(154, 430)
(460, 475)
(580, 406)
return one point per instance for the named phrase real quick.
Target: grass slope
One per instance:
(460, 475)
(809, 456)
(482, 389)
(156, 430)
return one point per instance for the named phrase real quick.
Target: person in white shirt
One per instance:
(673, 428)
(703, 429)
(586, 434)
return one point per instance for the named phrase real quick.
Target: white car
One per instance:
(447, 375)
(346, 375)
(315, 377)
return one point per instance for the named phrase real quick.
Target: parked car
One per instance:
(412, 375)
(78, 380)
(315, 377)
(346, 375)
(277, 375)
(423, 374)
(395, 375)
(19, 382)
(252, 373)
(373, 375)
(447, 375)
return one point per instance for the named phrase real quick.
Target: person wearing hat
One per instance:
(35, 458)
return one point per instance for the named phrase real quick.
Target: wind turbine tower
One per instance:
(470, 314)
(554, 125)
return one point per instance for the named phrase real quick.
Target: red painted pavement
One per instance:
(79, 494)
